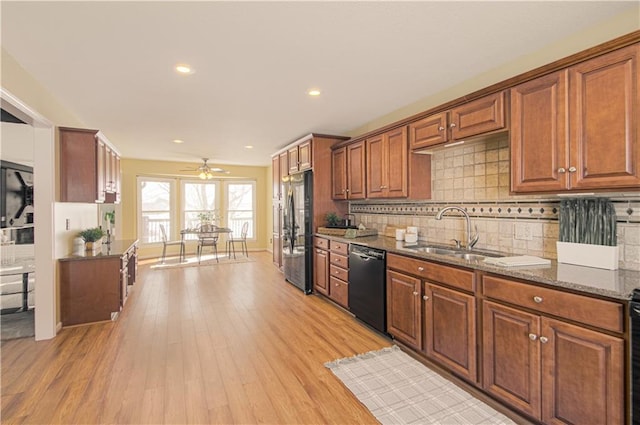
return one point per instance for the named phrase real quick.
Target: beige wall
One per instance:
(132, 168)
(619, 25)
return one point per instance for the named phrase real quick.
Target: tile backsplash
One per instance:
(476, 177)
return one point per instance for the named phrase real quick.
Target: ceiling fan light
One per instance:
(203, 175)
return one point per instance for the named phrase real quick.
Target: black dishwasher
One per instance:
(367, 289)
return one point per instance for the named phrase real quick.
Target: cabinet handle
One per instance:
(562, 170)
(415, 293)
(572, 169)
(424, 297)
(533, 337)
(544, 339)
(440, 128)
(452, 125)
(347, 190)
(337, 272)
(420, 269)
(537, 299)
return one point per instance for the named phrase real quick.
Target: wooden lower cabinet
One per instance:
(338, 272)
(404, 309)
(321, 271)
(551, 370)
(450, 329)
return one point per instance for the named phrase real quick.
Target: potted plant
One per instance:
(92, 238)
(332, 219)
(209, 217)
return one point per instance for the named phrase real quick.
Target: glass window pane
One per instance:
(155, 196)
(199, 196)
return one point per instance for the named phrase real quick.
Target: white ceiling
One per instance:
(111, 63)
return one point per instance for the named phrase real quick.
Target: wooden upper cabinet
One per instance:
(387, 156)
(82, 166)
(300, 157)
(429, 131)
(275, 178)
(480, 116)
(604, 128)
(477, 117)
(578, 128)
(348, 172)
(539, 136)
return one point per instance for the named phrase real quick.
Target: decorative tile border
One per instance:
(627, 209)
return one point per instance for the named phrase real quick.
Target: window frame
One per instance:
(174, 231)
(254, 210)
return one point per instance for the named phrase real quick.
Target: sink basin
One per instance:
(470, 255)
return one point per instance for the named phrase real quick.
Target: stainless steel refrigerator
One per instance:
(297, 231)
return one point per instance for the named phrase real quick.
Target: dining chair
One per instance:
(207, 236)
(166, 242)
(242, 240)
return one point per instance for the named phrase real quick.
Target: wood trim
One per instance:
(581, 56)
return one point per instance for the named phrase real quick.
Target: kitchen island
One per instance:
(94, 287)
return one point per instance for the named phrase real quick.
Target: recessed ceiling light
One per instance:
(178, 141)
(182, 68)
(248, 147)
(314, 92)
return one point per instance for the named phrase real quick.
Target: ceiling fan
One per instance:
(205, 172)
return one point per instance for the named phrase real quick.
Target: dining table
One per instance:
(197, 231)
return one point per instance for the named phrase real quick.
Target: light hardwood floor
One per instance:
(232, 343)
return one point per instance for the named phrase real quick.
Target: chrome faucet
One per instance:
(471, 241)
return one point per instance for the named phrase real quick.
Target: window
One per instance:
(198, 197)
(155, 197)
(241, 207)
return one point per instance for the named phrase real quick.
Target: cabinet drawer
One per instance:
(339, 247)
(591, 311)
(339, 273)
(339, 260)
(453, 276)
(339, 291)
(321, 242)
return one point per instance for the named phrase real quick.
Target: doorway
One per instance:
(44, 197)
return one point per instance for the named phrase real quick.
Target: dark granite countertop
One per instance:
(616, 284)
(115, 249)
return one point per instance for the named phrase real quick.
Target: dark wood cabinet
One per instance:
(404, 308)
(578, 128)
(348, 172)
(300, 157)
(338, 272)
(450, 329)
(89, 167)
(96, 287)
(387, 162)
(551, 369)
(480, 116)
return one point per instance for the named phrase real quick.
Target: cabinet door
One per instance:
(511, 356)
(321, 271)
(118, 179)
(429, 131)
(305, 152)
(339, 173)
(100, 177)
(277, 249)
(397, 152)
(284, 170)
(356, 170)
(539, 138)
(376, 167)
(339, 291)
(582, 375)
(293, 160)
(479, 116)
(450, 329)
(404, 308)
(275, 178)
(604, 130)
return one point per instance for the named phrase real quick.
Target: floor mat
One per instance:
(398, 389)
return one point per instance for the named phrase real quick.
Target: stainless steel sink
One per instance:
(470, 255)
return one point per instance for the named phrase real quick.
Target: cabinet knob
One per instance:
(420, 269)
(440, 128)
(424, 297)
(415, 293)
(452, 125)
(572, 169)
(337, 272)
(337, 284)
(347, 190)
(537, 299)
(533, 337)
(544, 339)
(562, 170)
